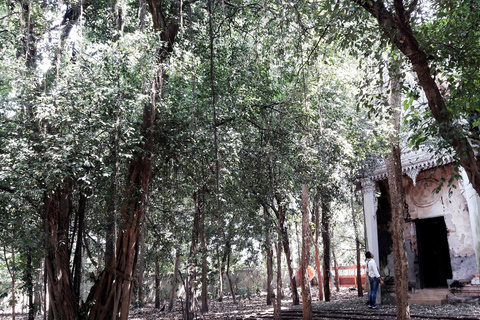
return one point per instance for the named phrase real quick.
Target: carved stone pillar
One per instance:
(473, 202)
(370, 211)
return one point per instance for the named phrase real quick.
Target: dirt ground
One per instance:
(243, 308)
(345, 301)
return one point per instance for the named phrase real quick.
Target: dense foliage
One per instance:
(257, 98)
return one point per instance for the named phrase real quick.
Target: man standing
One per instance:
(374, 278)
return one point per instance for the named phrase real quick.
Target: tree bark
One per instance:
(157, 280)
(141, 267)
(12, 272)
(56, 216)
(203, 243)
(212, 93)
(277, 307)
(29, 284)
(326, 250)
(174, 280)
(397, 203)
(77, 260)
(111, 226)
(316, 213)
(357, 245)
(291, 273)
(192, 264)
(230, 284)
(286, 246)
(111, 294)
(112, 197)
(269, 254)
(335, 265)
(220, 277)
(307, 313)
(57, 200)
(142, 8)
(397, 27)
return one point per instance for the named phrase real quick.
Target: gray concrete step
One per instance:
(429, 297)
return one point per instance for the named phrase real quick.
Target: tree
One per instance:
(326, 247)
(397, 23)
(357, 246)
(122, 132)
(277, 307)
(316, 216)
(306, 237)
(397, 197)
(112, 293)
(269, 256)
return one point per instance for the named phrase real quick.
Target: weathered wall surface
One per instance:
(449, 203)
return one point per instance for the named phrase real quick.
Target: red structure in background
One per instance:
(347, 276)
(311, 273)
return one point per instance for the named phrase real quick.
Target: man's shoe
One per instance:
(376, 307)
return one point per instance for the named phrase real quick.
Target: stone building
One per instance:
(442, 229)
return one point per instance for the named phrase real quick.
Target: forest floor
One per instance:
(343, 305)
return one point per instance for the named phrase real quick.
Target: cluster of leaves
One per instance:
(284, 115)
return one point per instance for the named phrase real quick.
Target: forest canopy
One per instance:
(146, 138)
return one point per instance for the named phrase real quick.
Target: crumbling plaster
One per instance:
(450, 203)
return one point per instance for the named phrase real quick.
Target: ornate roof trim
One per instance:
(413, 162)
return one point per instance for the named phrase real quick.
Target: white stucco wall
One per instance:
(451, 204)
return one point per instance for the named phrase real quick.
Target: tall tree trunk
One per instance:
(326, 249)
(119, 10)
(29, 39)
(286, 246)
(111, 226)
(56, 217)
(277, 307)
(397, 27)
(46, 310)
(397, 202)
(335, 265)
(212, 92)
(230, 284)
(141, 267)
(192, 265)
(157, 280)
(29, 284)
(222, 264)
(316, 213)
(56, 208)
(269, 254)
(77, 260)
(357, 244)
(213, 97)
(112, 198)
(291, 273)
(220, 277)
(174, 280)
(112, 292)
(203, 243)
(141, 14)
(307, 313)
(11, 268)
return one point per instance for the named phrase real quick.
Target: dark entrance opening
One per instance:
(433, 253)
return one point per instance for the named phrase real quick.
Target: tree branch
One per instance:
(250, 5)
(8, 189)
